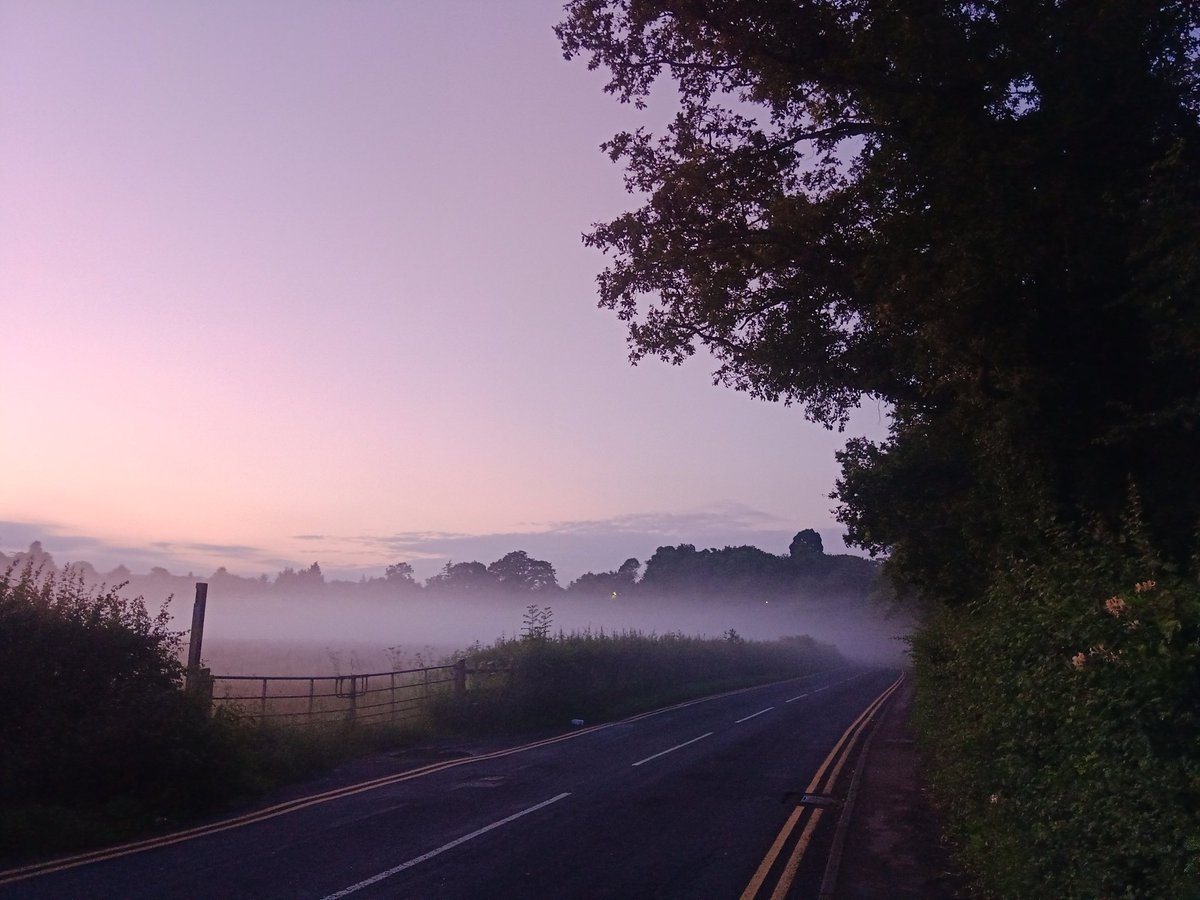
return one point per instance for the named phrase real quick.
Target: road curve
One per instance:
(733, 796)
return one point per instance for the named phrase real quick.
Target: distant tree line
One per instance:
(737, 573)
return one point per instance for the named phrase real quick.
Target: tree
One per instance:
(628, 571)
(400, 575)
(466, 577)
(607, 584)
(806, 544)
(517, 571)
(984, 215)
(674, 570)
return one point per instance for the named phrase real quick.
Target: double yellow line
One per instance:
(837, 760)
(280, 809)
(271, 812)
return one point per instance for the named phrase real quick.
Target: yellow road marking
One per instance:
(841, 752)
(271, 812)
(793, 864)
(760, 874)
(290, 806)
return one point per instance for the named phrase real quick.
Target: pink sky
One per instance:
(287, 281)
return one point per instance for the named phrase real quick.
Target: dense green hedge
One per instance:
(1061, 713)
(98, 741)
(594, 675)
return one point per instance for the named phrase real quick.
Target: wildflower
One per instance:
(994, 799)
(1116, 607)
(1143, 587)
(1079, 660)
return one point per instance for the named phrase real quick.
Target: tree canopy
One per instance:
(984, 214)
(518, 571)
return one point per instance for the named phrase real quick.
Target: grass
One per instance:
(597, 676)
(516, 685)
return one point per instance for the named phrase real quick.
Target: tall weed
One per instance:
(542, 680)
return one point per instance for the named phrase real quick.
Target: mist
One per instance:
(340, 633)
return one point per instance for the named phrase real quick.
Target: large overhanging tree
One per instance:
(985, 214)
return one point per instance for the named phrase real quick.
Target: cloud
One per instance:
(222, 549)
(66, 546)
(721, 517)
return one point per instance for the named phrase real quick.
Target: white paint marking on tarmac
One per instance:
(797, 697)
(375, 879)
(752, 715)
(673, 749)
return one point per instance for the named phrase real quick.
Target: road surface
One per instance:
(718, 798)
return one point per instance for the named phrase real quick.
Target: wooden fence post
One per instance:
(197, 679)
(460, 677)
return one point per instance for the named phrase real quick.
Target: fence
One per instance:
(302, 699)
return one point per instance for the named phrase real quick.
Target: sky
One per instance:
(299, 281)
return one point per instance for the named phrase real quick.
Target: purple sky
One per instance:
(296, 281)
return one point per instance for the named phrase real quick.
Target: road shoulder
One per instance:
(894, 846)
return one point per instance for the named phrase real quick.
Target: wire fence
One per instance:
(301, 699)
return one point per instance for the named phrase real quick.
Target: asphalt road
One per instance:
(702, 800)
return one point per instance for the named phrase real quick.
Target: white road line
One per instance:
(752, 715)
(797, 697)
(375, 879)
(673, 749)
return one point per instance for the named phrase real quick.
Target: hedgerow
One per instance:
(98, 739)
(545, 679)
(1061, 716)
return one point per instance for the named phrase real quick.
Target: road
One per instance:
(702, 800)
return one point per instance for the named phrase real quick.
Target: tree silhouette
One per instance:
(518, 572)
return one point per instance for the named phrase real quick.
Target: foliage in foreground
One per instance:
(549, 680)
(1062, 715)
(95, 721)
(986, 216)
(99, 742)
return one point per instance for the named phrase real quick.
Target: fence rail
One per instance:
(372, 697)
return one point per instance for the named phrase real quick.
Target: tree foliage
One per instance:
(608, 584)
(984, 214)
(749, 574)
(518, 571)
(465, 577)
(1061, 716)
(94, 717)
(806, 544)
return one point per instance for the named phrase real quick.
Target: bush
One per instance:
(1061, 713)
(596, 676)
(98, 736)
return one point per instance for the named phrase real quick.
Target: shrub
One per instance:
(1061, 713)
(96, 728)
(550, 680)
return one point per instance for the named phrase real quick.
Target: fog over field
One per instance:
(270, 636)
(300, 623)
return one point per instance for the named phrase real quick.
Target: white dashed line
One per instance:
(672, 749)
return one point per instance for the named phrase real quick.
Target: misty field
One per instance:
(336, 636)
(104, 744)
